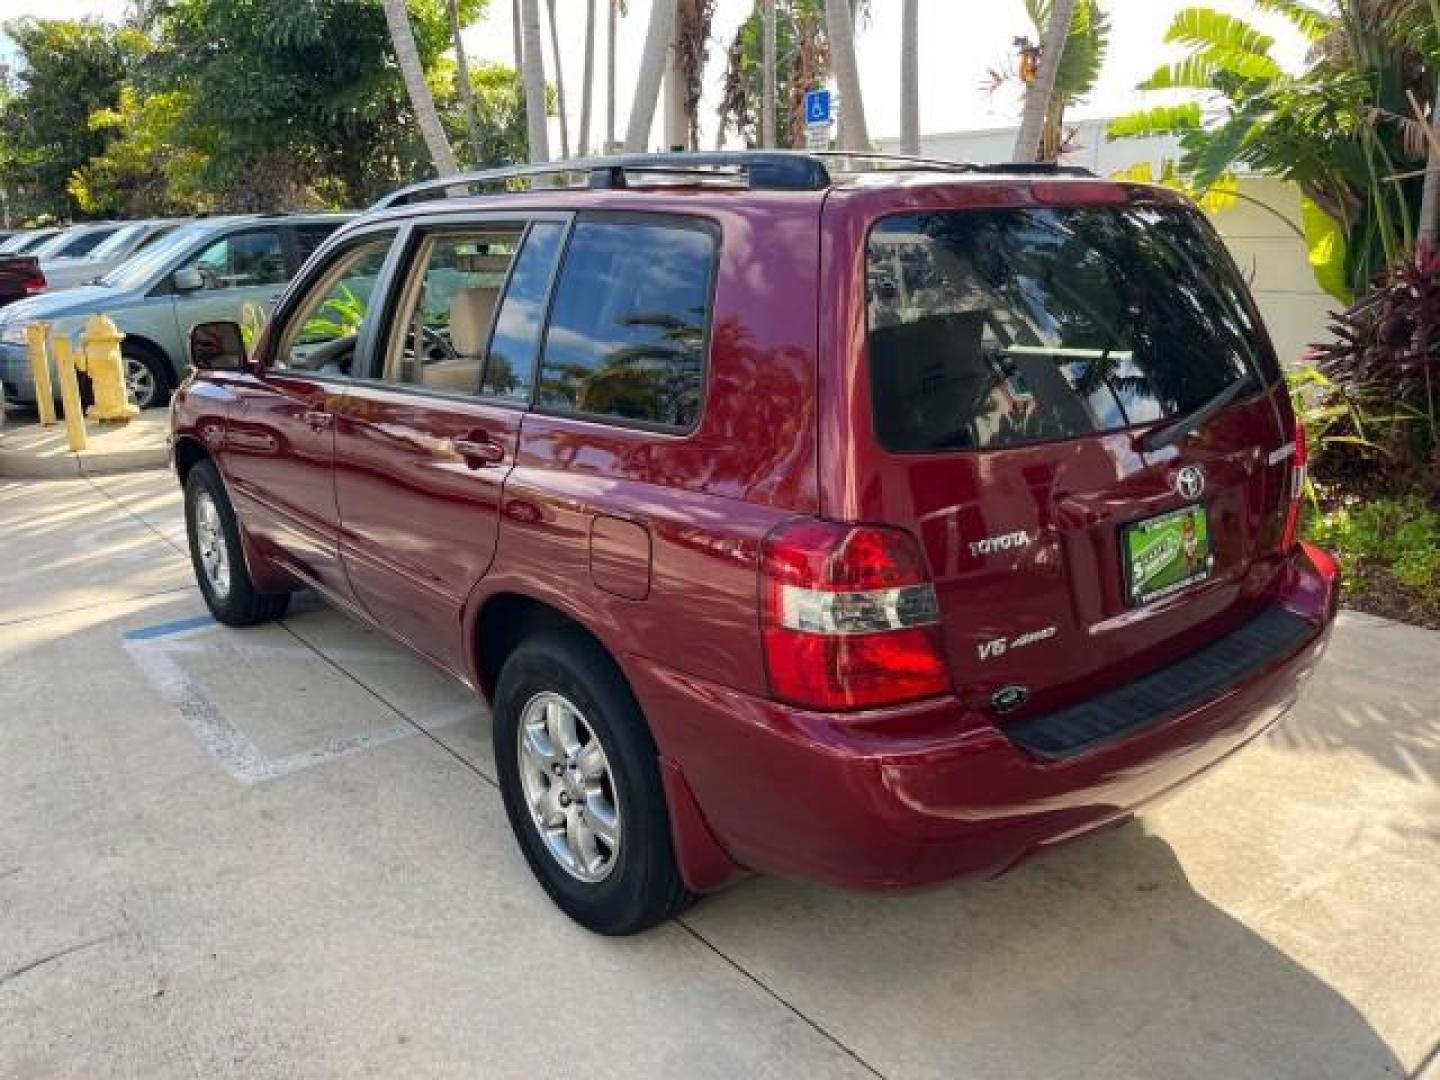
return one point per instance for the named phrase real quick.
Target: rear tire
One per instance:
(580, 777)
(217, 555)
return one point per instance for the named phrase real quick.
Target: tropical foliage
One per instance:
(1080, 65)
(1344, 130)
(233, 105)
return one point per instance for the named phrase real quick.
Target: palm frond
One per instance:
(1209, 28)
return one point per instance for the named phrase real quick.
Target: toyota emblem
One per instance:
(1190, 482)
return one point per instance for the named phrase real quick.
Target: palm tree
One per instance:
(515, 22)
(586, 92)
(462, 77)
(652, 70)
(854, 132)
(767, 76)
(617, 9)
(910, 77)
(559, 82)
(534, 76)
(1039, 92)
(402, 39)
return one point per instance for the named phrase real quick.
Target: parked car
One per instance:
(205, 270)
(74, 241)
(874, 528)
(67, 271)
(24, 243)
(20, 276)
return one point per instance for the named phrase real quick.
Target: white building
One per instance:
(1260, 228)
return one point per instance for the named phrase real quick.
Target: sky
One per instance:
(960, 40)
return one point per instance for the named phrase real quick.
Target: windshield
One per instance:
(119, 241)
(995, 328)
(18, 245)
(139, 269)
(74, 243)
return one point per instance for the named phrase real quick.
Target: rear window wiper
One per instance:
(1173, 432)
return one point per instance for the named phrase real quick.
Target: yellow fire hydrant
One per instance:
(100, 358)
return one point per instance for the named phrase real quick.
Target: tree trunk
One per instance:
(467, 92)
(516, 20)
(559, 82)
(610, 28)
(402, 38)
(534, 76)
(767, 76)
(910, 77)
(854, 132)
(587, 91)
(1039, 92)
(676, 133)
(1428, 229)
(652, 70)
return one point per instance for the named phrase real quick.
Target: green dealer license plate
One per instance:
(1166, 554)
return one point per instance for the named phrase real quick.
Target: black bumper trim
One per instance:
(1270, 637)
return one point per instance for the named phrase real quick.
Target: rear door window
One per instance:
(629, 322)
(997, 328)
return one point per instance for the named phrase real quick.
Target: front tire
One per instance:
(147, 377)
(217, 557)
(580, 778)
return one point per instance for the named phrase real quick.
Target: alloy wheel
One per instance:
(211, 544)
(568, 787)
(140, 382)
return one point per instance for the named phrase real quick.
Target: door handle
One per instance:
(479, 452)
(317, 419)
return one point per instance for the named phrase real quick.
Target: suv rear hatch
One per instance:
(1079, 415)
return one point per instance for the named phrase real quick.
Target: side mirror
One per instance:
(217, 346)
(187, 279)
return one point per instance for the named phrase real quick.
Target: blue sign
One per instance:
(817, 107)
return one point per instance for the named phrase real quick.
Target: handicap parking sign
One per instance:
(817, 107)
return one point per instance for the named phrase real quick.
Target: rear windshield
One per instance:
(1001, 327)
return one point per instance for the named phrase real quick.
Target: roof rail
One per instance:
(764, 170)
(900, 162)
(771, 170)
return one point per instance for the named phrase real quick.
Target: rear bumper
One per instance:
(913, 796)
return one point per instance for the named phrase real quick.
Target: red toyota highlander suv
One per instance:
(866, 520)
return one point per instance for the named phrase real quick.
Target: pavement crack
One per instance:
(383, 700)
(815, 1025)
(25, 969)
(131, 513)
(98, 603)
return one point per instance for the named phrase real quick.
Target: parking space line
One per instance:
(153, 649)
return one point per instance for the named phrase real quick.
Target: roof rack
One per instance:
(772, 170)
(762, 170)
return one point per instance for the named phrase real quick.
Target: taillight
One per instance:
(849, 617)
(35, 282)
(1296, 493)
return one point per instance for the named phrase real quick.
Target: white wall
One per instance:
(1270, 253)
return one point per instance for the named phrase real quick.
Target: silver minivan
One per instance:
(213, 269)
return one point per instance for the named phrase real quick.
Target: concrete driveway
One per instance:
(280, 852)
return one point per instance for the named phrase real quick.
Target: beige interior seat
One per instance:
(471, 311)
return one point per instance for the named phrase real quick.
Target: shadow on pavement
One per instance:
(1100, 961)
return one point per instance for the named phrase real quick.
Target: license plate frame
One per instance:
(1166, 554)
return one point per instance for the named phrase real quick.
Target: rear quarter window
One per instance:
(992, 328)
(629, 323)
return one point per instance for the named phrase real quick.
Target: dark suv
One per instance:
(862, 520)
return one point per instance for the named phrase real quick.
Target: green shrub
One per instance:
(1402, 535)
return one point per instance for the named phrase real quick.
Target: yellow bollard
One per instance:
(35, 335)
(100, 348)
(70, 393)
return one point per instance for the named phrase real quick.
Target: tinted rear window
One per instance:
(995, 328)
(628, 328)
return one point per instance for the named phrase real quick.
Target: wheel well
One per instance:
(189, 452)
(504, 622)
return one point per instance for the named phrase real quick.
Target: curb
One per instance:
(66, 464)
